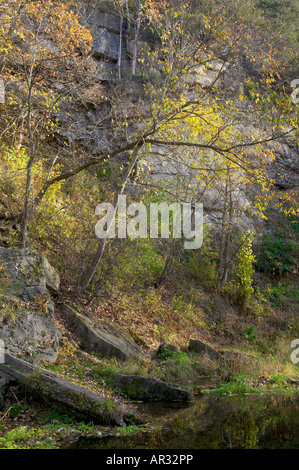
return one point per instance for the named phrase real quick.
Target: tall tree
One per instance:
(41, 39)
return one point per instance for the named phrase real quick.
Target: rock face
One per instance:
(137, 387)
(27, 323)
(107, 33)
(99, 19)
(28, 272)
(61, 393)
(199, 347)
(113, 45)
(106, 343)
(106, 44)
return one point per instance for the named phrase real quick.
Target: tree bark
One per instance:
(26, 210)
(137, 30)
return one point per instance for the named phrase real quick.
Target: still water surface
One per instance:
(244, 421)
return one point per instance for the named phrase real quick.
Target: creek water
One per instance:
(261, 421)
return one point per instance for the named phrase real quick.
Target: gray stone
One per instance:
(62, 394)
(107, 21)
(93, 18)
(199, 347)
(105, 71)
(31, 334)
(105, 31)
(27, 324)
(109, 342)
(137, 387)
(106, 44)
(51, 275)
(27, 269)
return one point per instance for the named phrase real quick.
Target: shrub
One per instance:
(278, 254)
(245, 269)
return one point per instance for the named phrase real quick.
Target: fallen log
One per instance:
(62, 394)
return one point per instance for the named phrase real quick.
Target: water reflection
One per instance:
(249, 422)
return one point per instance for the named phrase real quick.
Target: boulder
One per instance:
(31, 334)
(52, 278)
(27, 273)
(137, 387)
(27, 324)
(92, 18)
(105, 341)
(62, 394)
(106, 44)
(197, 346)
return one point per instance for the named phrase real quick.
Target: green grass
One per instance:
(240, 384)
(280, 294)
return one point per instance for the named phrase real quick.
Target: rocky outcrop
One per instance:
(27, 323)
(107, 32)
(113, 49)
(137, 387)
(60, 393)
(27, 272)
(104, 341)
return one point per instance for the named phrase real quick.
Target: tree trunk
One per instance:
(137, 30)
(88, 276)
(26, 210)
(225, 236)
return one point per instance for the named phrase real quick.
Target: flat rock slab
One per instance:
(60, 393)
(137, 387)
(32, 334)
(95, 340)
(199, 347)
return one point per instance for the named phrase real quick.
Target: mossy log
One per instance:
(62, 394)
